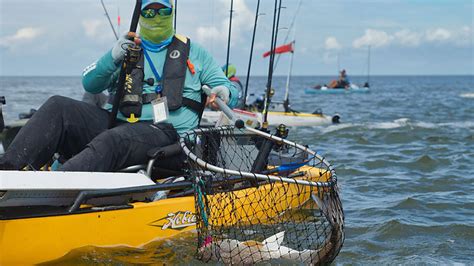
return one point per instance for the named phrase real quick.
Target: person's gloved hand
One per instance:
(120, 48)
(220, 91)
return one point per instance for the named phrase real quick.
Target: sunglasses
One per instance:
(152, 12)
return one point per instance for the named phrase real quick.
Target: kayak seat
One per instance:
(166, 161)
(163, 162)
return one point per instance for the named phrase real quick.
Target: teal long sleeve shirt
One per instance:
(103, 74)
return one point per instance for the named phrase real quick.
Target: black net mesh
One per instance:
(249, 207)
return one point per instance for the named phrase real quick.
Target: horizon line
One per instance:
(305, 75)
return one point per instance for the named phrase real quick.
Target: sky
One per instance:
(406, 37)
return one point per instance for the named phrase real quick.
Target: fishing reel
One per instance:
(131, 102)
(134, 52)
(130, 80)
(282, 131)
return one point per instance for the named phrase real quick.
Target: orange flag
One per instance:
(287, 48)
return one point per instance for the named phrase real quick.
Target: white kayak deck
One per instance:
(210, 118)
(45, 180)
(24, 188)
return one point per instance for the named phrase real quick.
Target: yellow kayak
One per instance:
(42, 237)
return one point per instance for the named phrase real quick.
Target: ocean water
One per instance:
(404, 155)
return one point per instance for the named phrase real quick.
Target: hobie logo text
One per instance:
(179, 220)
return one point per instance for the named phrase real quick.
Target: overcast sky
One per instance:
(61, 37)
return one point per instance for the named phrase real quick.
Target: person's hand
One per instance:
(220, 91)
(120, 48)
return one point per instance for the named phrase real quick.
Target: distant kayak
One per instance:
(325, 90)
(275, 118)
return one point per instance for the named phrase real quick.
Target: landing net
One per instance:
(287, 210)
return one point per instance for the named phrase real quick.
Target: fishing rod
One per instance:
(108, 18)
(175, 13)
(251, 53)
(286, 101)
(277, 28)
(118, 18)
(132, 57)
(261, 160)
(368, 68)
(290, 28)
(228, 38)
(2, 122)
(276, 21)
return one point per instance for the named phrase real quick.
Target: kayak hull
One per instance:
(292, 119)
(336, 91)
(48, 237)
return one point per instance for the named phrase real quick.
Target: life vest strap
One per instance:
(149, 97)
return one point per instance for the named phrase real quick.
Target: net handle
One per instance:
(230, 114)
(278, 139)
(217, 169)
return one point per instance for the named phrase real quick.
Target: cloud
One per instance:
(240, 24)
(465, 36)
(21, 36)
(375, 38)
(92, 27)
(206, 34)
(438, 34)
(408, 38)
(98, 30)
(331, 43)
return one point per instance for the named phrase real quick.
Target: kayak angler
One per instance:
(231, 73)
(167, 104)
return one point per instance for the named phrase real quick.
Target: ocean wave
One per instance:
(337, 127)
(458, 124)
(396, 228)
(397, 123)
(467, 95)
(406, 122)
(401, 122)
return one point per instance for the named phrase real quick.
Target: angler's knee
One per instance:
(57, 102)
